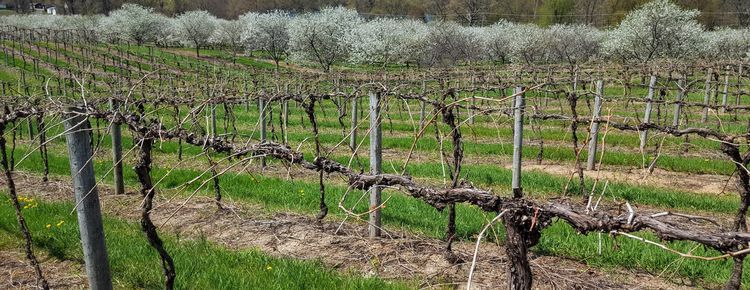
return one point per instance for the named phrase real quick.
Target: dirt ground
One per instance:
(688, 182)
(17, 273)
(340, 245)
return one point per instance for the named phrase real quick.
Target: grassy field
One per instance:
(276, 194)
(487, 146)
(134, 264)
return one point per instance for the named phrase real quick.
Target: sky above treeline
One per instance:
(600, 13)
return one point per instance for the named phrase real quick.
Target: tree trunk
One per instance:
(143, 170)
(743, 180)
(519, 271)
(735, 281)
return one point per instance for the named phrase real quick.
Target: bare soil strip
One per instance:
(17, 273)
(688, 182)
(343, 246)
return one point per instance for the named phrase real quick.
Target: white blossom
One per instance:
(168, 32)
(267, 32)
(659, 29)
(727, 44)
(575, 43)
(449, 43)
(386, 40)
(229, 34)
(132, 22)
(528, 43)
(319, 37)
(196, 28)
(496, 40)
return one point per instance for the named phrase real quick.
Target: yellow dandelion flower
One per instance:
(60, 223)
(49, 226)
(269, 268)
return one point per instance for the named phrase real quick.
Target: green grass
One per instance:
(199, 263)
(402, 212)
(537, 183)
(631, 254)
(620, 157)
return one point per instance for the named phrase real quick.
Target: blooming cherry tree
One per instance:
(168, 33)
(132, 22)
(528, 43)
(267, 32)
(196, 28)
(727, 44)
(659, 29)
(449, 42)
(320, 37)
(495, 40)
(386, 40)
(574, 44)
(229, 34)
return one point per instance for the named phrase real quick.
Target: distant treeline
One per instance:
(600, 13)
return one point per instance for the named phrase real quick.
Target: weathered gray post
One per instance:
(725, 93)
(519, 106)
(285, 115)
(473, 111)
(31, 129)
(87, 199)
(353, 136)
(422, 105)
(213, 121)
(595, 120)
(262, 120)
(116, 132)
(707, 96)
(739, 86)
(376, 149)
(649, 108)
(678, 104)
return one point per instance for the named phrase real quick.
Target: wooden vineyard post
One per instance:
(376, 149)
(678, 104)
(739, 86)
(87, 199)
(518, 110)
(116, 132)
(473, 111)
(738, 95)
(422, 105)
(595, 120)
(725, 93)
(353, 136)
(31, 129)
(649, 108)
(245, 92)
(213, 121)
(707, 96)
(516, 248)
(262, 120)
(285, 115)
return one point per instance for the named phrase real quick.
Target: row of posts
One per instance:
(89, 212)
(519, 106)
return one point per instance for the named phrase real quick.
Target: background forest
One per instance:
(600, 13)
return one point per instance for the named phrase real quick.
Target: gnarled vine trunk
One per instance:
(143, 170)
